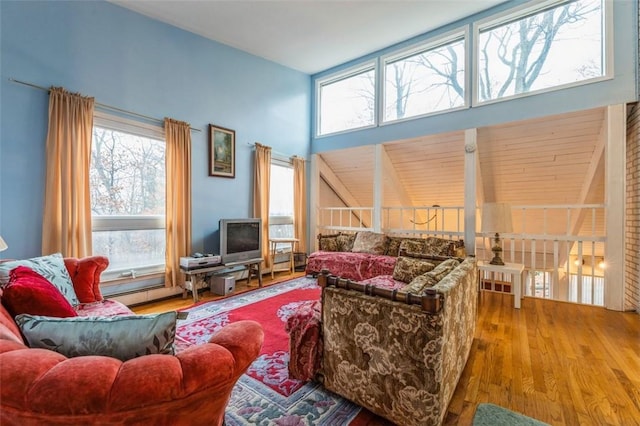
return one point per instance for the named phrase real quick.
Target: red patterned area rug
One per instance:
(265, 395)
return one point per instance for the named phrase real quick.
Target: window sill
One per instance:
(125, 280)
(129, 285)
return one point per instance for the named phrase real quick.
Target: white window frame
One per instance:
(416, 49)
(521, 12)
(125, 222)
(371, 65)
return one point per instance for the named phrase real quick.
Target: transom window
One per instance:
(538, 47)
(347, 101)
(555, 46)
(424, 80)
(127, 181)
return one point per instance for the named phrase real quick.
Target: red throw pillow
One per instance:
(30, 293)
(85, 276)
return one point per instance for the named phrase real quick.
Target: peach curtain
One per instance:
(178, 198)
(300, 202)
(261, 181)
(66, 223)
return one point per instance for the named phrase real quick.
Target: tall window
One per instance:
(128, 196)
(424, 80)
(281, 200)
(560, 45)
(347, 101)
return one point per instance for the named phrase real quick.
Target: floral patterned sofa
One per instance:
(365, 255)
(397, 353)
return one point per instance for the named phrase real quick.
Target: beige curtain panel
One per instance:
(300, 202)
(261, 183)
(178, 198)
(66, 223)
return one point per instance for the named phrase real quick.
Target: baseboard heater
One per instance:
(133, 291)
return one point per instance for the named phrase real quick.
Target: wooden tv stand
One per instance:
(193, 276)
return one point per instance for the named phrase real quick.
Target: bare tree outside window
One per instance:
(347, 103)
(426, 82)
(557, 46)
(127, 179)
(561, 45)
(127, 174)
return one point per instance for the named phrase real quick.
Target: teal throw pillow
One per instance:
(121, 336)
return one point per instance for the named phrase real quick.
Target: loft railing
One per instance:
(561, 246)
(349, 219)
(423, 221)
(434, 221)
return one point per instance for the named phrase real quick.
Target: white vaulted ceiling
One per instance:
(545, 161)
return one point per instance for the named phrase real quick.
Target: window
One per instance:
(424, 80)
(347, 102)
(561, 45)
(127, 181)
(281, 201)
(536, 47)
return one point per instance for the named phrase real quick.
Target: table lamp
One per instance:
(496, 219)
(3, 245)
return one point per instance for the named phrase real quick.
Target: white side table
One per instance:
(274, 245)
(514, 269)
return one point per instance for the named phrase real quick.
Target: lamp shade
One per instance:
(3, 245)
(496, 218)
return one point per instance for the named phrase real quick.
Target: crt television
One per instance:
(240, 239)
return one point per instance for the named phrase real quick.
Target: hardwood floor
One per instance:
(561, 363)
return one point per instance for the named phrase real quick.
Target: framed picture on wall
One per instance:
(222, 152)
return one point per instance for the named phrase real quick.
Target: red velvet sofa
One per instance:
(43, 387)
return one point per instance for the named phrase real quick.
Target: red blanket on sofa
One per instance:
(353, 266)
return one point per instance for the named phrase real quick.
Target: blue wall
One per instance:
(621, 89)
(132, 62)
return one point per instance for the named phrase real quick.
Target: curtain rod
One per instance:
(101, 105)
(279, 154)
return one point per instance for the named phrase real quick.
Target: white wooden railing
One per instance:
(349, 219)
(447, 222)
(561, 246)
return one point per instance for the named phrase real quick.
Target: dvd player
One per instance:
(200, 262)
